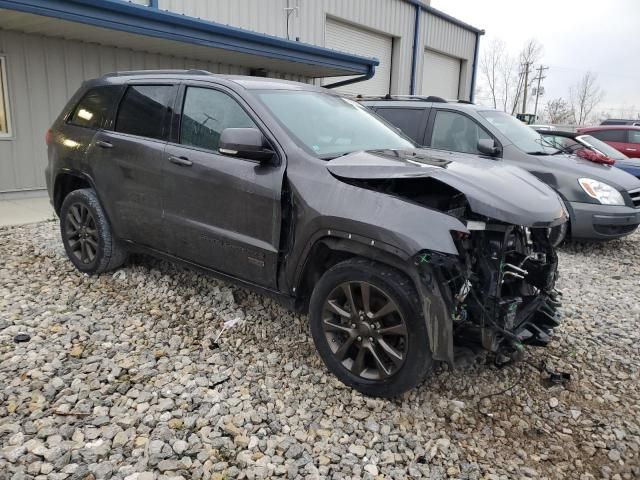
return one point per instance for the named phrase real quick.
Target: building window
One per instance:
(5, 120)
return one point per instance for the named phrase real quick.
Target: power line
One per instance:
(539, 78)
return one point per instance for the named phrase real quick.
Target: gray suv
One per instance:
(603, 202)
(400, 257)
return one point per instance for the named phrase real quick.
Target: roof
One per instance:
(248, 82)
(419, 101)
(178, 35)
(608, 127)
(557, 133)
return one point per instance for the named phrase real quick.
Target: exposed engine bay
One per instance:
(500, 291)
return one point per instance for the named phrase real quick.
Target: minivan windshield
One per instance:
(521, 135)
(329, 126)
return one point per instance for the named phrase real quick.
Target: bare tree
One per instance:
(503, 73)
(491, 65)
(558, 111)
(584, 96)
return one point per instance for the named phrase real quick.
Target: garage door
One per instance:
(440, 75)
(348, 38)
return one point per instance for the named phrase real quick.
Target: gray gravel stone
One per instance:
(119, 380)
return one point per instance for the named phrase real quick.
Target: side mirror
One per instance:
(245, 143)
(488, 147)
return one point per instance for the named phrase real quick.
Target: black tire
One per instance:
(86, 234)
(388, 284)
(558, 234)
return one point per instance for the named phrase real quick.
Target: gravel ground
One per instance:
(121, 379)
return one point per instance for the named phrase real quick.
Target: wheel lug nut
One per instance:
(371, 339)
(353, 325)
(359, 339)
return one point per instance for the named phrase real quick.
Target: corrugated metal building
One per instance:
(48, 47)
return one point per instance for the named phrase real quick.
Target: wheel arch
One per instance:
(332, 247)
(66, 182)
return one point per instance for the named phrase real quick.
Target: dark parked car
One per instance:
(603, 202)
(625, 139)
(400, 255)
(620, 121)
(573, 142)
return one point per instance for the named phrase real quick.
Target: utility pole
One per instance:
(540, 69)
(527, 66)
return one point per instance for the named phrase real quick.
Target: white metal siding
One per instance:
(440, 75)
(43, 73)
(349, 38)
(447, 38)
(395, 18)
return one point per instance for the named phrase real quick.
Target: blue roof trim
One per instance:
(438, 13)
(140, 19)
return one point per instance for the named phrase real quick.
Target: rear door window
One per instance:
(634, 136)
(456, 132)
(206, 112)
(409, 120)
(145, 111)
(610, 135)
(95, 107)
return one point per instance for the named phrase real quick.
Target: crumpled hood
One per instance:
(493, 189)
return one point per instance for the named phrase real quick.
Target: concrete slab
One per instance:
(19, 211)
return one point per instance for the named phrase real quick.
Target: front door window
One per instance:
(456, 132)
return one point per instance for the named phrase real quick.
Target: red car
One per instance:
(624, 138)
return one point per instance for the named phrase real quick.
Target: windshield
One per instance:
(602, 147)
(328, 126)
(521, 135)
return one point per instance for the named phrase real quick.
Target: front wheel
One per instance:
(368, 327)
(558, 234)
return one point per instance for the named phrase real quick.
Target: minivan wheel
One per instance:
(86, 234)
(368, 327)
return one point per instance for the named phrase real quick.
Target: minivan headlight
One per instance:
(605, 194)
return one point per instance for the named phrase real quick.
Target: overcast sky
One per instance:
(578, 35)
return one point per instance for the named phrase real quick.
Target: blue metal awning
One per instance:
(225, 43)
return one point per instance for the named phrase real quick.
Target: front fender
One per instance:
(400, 226)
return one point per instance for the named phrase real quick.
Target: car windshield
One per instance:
(329, 126)
(521, 135)
(602, 147)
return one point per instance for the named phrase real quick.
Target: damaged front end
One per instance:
(492, 285)
(498, 293)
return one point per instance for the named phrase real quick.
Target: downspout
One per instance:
(472, 94)
(414, 58)
(349, 81)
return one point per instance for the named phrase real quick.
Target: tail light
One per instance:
(48, 137)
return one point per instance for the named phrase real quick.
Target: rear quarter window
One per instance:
(409, 120)
(144, 111)
(95, 107)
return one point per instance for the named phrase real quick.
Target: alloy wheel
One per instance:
(365, 330)
(81, 233)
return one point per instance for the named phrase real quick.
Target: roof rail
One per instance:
(422, 98)
(126, 73)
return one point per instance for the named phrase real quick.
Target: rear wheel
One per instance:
(367, 324)
(86, 233)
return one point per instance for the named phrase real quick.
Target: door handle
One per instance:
(182, 161)
(103, 144)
